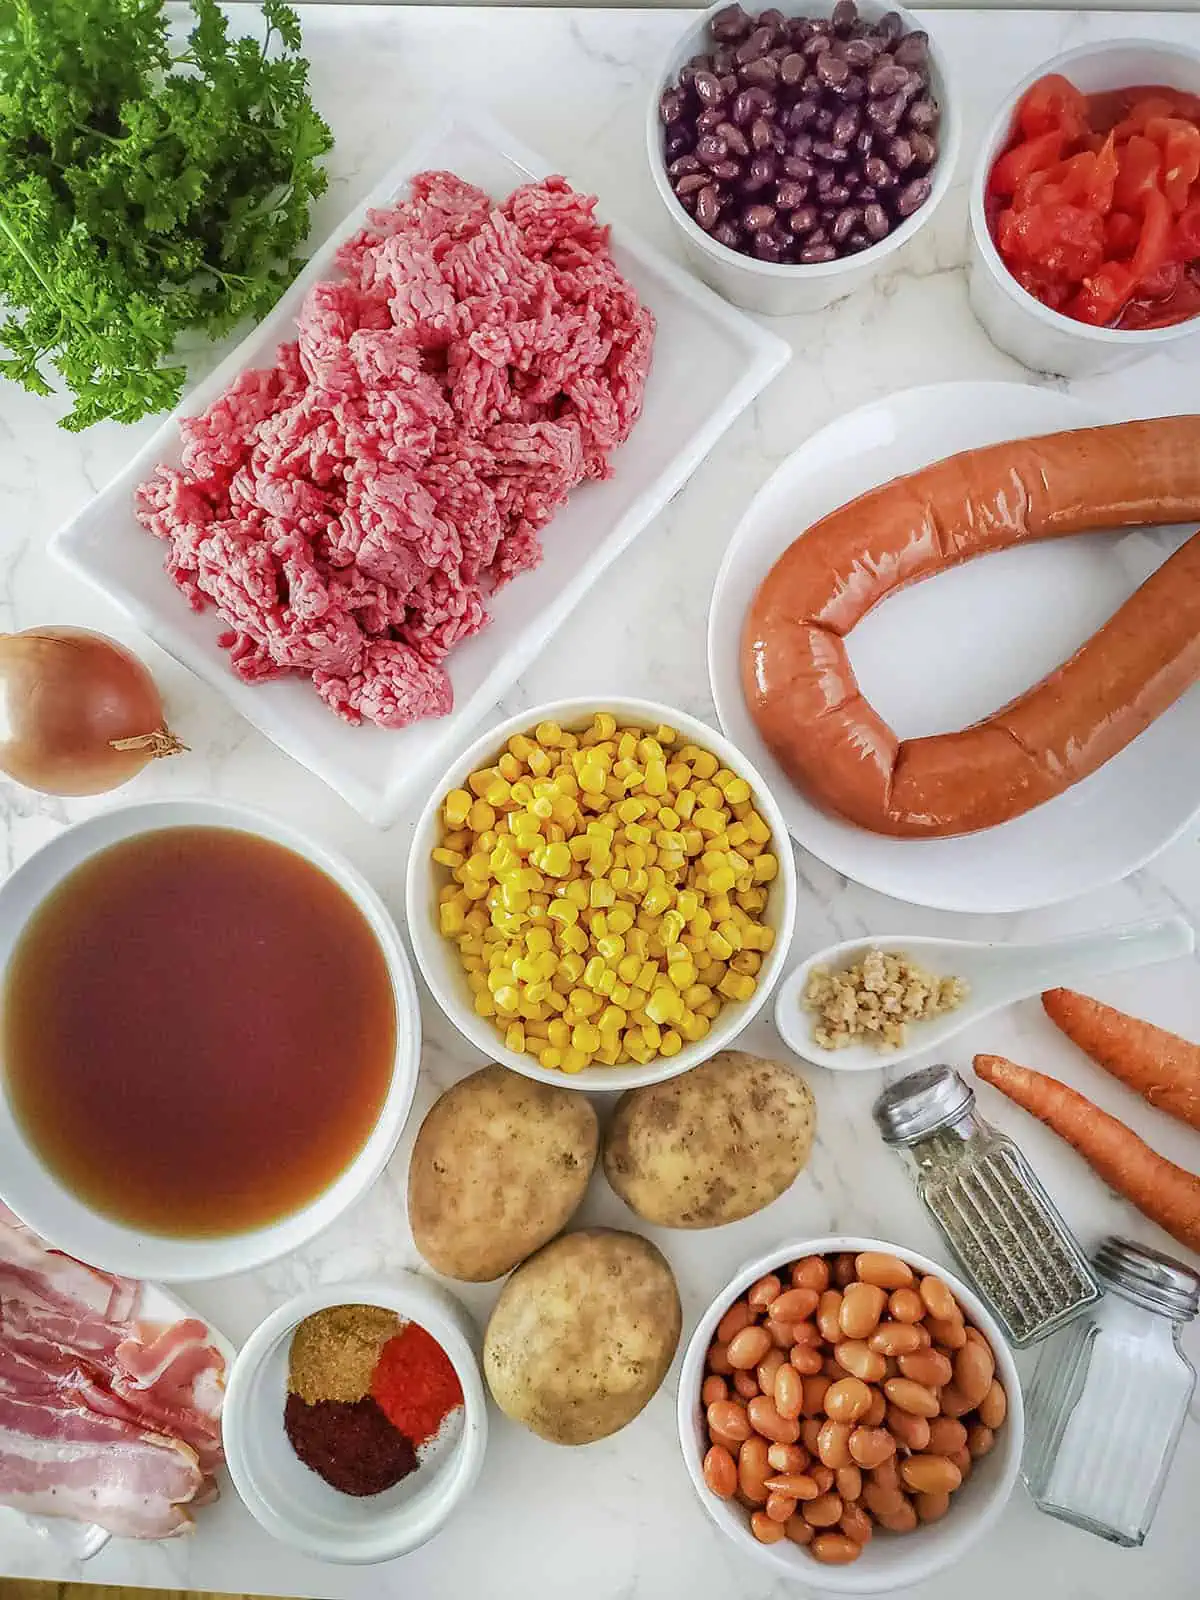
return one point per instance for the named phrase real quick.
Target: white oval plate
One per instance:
(82, 1540)
(952, 649)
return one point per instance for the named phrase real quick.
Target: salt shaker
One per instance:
(991, 1208)
(1109, 1396)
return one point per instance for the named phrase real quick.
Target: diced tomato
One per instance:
(1138, 166)
(1187, 232)
(1120, 235)
(1053, 104)
(1154, 241)
(1023, 160)
(1102, 295)
(1180, 145)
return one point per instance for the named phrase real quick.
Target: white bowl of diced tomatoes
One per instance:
(1085, 210)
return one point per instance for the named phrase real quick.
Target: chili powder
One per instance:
(351, 1444)
(415, 1383)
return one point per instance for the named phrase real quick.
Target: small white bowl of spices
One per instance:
(355, 1422)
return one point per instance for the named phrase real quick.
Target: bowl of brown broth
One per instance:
(209, 1039)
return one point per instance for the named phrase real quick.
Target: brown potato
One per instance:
(582, 1335)
(500, 1165)
(713, 1145)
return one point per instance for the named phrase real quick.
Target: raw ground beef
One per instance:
(348, 510)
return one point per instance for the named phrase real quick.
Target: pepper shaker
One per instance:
(992, 1210)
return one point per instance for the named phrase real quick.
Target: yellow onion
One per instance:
(79, 714)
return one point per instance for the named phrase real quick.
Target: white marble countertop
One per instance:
(620, 1518)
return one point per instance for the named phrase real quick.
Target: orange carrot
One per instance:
(1160, 1066)
(1165, 1193)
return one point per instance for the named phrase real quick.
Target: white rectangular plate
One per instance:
(710, 361)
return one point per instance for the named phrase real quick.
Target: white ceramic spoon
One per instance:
(996, 975)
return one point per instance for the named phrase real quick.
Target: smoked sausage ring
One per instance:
(801, 689)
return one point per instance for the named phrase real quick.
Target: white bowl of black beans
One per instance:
(796, 149)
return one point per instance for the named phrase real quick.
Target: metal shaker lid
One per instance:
(1148, 1277)
(920, 1104)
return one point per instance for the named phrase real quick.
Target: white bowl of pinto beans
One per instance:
(891, 1442)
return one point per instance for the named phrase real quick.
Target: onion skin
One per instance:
(79, 714)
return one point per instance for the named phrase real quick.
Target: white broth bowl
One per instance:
(43, 1201)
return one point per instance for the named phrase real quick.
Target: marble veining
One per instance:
(619, 1518)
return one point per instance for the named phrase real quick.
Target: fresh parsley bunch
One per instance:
(144, 193)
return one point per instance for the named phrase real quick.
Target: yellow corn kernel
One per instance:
(664, 1005)
(694, 1028)
(765, 868)
(575, 1060)
(456, 808)
(636, 1046)
(585, 1036)
(514, 1037)
(736, 986)
(550, 1058)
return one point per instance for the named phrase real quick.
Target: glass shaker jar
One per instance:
(993, 1212)
(1109, 1396)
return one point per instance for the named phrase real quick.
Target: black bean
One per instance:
(803, 220)
(886, 113)
(923, 115)
(800, 168)
(759, 173)
(711, 149)
(682, 166)
(728, 234)
(706, 207)
(710, 119)
(677, 143)
(759, 42)
(859, 52)
(762, 73)
(864, 141)
(845, 127)
(793, 69)
(877, 171)
(900, 153)
(913, 196)
(730, 24)
(834, 154)
(767, 247)
(885, 78)
(728, 170)
(888, 27)
(670, 106)
(924, 148)
(844, 224)
(817, 254)
(822, 122)
(845, 15)
(735, 140)
(761, 134)
(757, 217)
(790, 195)
(913, 49)
(875, 221)
(708, 86)
(692, 183)
(832, 70)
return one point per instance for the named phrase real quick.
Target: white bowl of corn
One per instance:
(601, 894)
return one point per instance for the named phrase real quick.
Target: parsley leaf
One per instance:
(146, 192)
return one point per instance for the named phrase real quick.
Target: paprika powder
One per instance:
(415, 1383)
